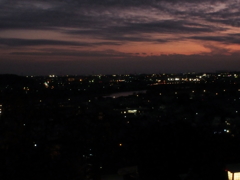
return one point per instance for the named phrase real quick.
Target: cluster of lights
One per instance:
(88, 155)
(132, 111)
(183, 79)
(226, 130)
(26, 88)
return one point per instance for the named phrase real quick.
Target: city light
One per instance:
(132, 111)
(46, 84)
(87, 112)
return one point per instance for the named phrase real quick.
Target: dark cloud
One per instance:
(114, 23)
(37, 42)
(133, 31)
(165, 26)
(42, 19)
(125, 2)
(106, 20)
(89, 14)
(227, 39)
(65, 53)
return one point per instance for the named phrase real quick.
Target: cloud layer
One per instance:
(120, 31)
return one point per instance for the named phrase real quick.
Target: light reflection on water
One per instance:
(124, 94)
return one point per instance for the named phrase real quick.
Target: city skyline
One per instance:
(39, 37)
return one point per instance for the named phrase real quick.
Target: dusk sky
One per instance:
(40, 37)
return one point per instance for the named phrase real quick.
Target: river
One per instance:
(124, 94)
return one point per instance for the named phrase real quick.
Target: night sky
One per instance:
(40, 37)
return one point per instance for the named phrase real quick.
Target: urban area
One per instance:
(120, 127)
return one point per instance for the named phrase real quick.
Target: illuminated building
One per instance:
(132, 111)
(233, 171)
